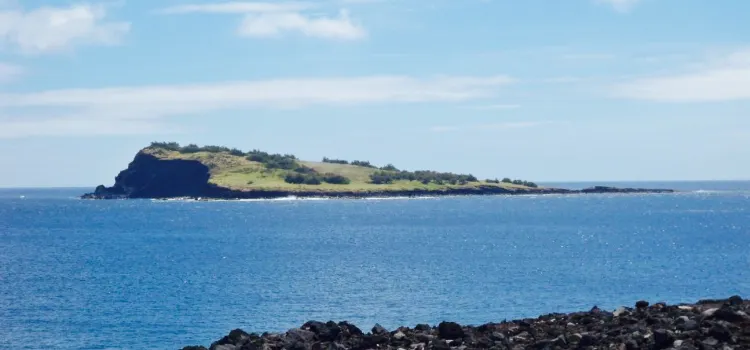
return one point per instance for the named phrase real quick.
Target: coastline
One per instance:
(218, 193)
(707, 324)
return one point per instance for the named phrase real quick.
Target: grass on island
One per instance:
(238, 173)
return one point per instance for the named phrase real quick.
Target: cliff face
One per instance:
(151, 177)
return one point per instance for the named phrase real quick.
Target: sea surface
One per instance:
(141, 274)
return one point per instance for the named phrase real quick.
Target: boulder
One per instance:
(450, 330)
(663, 339)
(379, 330)
(298, 339)
(641, 304)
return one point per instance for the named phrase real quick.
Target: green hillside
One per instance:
(256, 170)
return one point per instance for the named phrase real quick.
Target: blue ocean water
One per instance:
(140, 274)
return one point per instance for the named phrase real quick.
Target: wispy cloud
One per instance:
(620, 5)
(51, 29)
(496, 107)
(273, 20)
(563, 80)
(77, 126)
(489, 127)
(144, 108)
(276, 24)
(9, 72)
(724, 79)
(588, 56)
(239, 7)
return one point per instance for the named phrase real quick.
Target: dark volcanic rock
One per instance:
(450, 330)
(718, 324)
(151, 177)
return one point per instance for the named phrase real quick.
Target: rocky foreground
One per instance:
(708, 324)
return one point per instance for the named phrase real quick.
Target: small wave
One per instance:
(712, 191)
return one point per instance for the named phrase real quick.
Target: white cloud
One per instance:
(77, 126)
(497, 107)
(139, 108)
(9, 72)
(273, 20)
(489, 127)
(725, 79)
(239, 7)
(275, 24)
(49, 29)
(620, 5)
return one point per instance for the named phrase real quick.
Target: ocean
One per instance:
(141, 274)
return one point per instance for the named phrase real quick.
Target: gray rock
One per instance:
(710, 342)
(298, 339)
(663, 339)
(720, 332)
(709, 312)
(587, 340)
(379, 330)
(224, 347)
(620, 311)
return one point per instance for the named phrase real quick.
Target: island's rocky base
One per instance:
(706, 325)
(153, 178)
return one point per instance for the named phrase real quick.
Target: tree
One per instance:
(191, 148)
(236, 152)
(507, 180)
(169, 146)
(362, 163)
(389, 167)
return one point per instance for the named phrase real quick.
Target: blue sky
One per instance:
(539, 89)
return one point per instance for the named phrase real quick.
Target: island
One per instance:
(166, 170)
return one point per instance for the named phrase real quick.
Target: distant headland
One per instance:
(169, 170)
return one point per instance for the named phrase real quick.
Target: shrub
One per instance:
(507, 180)
(274, 161)
(389, 167)
(336, 179)
(490, 181)
(236, 152)
(334, 161)
(191, 148)
(170, 146)
(304, 170)
(214, 149)
(294, 178)
(312, 180)
(307, 179)
(423, 176)
(362, 163)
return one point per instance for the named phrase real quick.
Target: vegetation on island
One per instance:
(236, 169)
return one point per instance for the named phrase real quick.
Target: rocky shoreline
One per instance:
(228, 194)
(706, 325)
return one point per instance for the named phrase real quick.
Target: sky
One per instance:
(544, 90)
